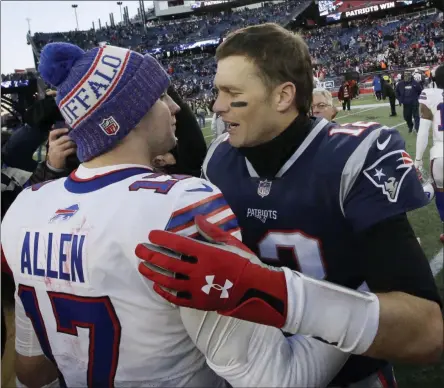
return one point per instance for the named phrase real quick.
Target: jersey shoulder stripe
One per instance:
(184, 217)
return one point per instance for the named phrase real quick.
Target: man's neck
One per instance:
(279, 149)
(284, 123)
(114, 157)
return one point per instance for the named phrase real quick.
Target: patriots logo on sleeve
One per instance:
(389, 172)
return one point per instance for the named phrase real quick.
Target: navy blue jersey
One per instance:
(340, 181)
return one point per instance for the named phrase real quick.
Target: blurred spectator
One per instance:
(377, 88)
(322, 104)
(408, 91)
(345, 95)
(218, 127)
(388, 91)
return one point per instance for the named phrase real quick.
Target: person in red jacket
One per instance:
(345, 95)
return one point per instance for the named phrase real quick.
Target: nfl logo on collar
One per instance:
(264, 188)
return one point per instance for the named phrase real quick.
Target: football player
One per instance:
(84, 314)
(431, 103)
(326, 200)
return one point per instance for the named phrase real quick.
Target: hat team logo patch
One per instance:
(110, 126)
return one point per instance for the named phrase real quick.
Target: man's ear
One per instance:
(285, 96)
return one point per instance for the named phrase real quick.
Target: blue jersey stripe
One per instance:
(101, 181)
(229, 224)
(184, 218)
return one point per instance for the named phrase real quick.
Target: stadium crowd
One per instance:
(377, 45)
(366, 46)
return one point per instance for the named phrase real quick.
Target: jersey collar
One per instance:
(306, 142)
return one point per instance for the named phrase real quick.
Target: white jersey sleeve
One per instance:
(244, 353)
(433, 99)
(251, 355)
(200, 197)
(26, 341)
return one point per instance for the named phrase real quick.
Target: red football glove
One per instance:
(214, 276)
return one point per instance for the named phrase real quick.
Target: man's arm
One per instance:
(398, 92)
(241, 352)
(422, 138)
(251, 355)
(32, 368)
(385, 188)
(396, 269)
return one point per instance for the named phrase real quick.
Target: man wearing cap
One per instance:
(85, 316)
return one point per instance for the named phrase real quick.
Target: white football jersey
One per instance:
(70, 244)
(434, 100)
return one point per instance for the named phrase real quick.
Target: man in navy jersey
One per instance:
(326, 200)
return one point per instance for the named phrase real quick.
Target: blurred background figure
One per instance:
(377, 87)
(345, 95)
(389, 91)
(408, 91)
(322, 105)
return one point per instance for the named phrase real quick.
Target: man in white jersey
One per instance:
(84, 314)
(431, 103)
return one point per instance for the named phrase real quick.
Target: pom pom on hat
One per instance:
(56, 61)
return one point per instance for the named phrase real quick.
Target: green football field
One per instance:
(425, 222)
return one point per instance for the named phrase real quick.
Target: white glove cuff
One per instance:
(337, 315)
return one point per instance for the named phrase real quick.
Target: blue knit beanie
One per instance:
(102, 93)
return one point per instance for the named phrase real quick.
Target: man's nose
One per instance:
(220, 105)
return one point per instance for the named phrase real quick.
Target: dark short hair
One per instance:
(280, 55)
(439, 77)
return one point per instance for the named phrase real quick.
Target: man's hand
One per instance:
(418, 164)
(60, 147)
(167, 159)
(50, 92)
(225, 276)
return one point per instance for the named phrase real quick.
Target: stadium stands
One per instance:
(366, 46)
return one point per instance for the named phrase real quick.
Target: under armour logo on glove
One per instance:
(210, 285)
(179, 267)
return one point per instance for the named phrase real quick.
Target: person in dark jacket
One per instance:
(38, 120)
(388, 91)
(191, 147)
(407, 92)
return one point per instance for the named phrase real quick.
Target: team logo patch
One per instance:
(264, 188)
(110, 126)
(64, 214)
(389, 172)
(223, 289)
